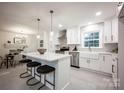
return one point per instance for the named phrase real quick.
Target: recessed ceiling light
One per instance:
(98, 13)
(60, 25)
(90, 23)
(21, 31)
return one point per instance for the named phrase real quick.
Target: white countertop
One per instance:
(93, 52)
(50, 57)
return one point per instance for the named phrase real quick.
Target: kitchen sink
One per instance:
(90, 55)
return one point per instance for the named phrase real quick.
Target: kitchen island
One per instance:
(60, 62)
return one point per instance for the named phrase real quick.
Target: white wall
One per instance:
(121, 54)
(5, 36)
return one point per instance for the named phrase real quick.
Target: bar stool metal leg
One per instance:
(23, 74)
(54, 80)
(44, 82)
(48, 81)
(29, 84)
(45, 69)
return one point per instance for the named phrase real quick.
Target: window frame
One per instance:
(91, 31)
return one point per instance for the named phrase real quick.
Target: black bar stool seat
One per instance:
(45, 69)
(33, 65)
(24, 61)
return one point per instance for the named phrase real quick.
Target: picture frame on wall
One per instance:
(19, 40)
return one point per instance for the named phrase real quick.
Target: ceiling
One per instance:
(21, 17)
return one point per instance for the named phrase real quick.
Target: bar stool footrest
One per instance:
(21, 75)
(27, 82)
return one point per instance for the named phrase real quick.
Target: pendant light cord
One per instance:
(38, 23)
(51, 11)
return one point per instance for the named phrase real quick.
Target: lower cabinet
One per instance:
(94, 64)
(103, 64)
(106, 63)
(89, 63)
(84, 62)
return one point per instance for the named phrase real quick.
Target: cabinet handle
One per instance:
(112, 37)
(103, 58)
(113, 69)
(88, 61)
(105, 38)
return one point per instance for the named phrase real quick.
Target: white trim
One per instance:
(93, 28)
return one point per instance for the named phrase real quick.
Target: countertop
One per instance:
(100, 52)
(49, 57)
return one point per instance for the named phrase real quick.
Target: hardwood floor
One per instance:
(80, 80)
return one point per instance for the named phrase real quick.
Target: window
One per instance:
(91, 39)
(41, 43)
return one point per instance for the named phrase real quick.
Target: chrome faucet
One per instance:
(90, 49)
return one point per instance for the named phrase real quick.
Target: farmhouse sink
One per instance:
(90, 55)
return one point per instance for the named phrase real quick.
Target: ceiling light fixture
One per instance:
(38, 36)
(98, 13)
(60, 25)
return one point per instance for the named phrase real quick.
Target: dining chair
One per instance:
(2, 61)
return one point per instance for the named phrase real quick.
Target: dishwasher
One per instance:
(74, 59)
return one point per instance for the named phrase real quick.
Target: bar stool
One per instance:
(24, 61)
(33, 65)
(45, 69)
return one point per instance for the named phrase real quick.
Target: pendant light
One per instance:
(51, 30)
(38, 36)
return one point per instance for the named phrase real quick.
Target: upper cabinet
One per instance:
(111, 31)
(73, 35)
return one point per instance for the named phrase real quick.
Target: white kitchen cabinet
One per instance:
(84, 62)
(107, 31)
(89, 63)
(111, 31)
(106, 63)
(115, 30)
(73, 35)
(94, 64)
(98, 62)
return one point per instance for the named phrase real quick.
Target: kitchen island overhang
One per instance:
(60, 62)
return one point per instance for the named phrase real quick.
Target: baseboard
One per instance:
(98, 72)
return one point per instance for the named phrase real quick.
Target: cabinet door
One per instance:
(76, 35)
(83, 62)
(94, 64)
(107, 31)
(115, 30)
(73, 35)
(106, 63)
